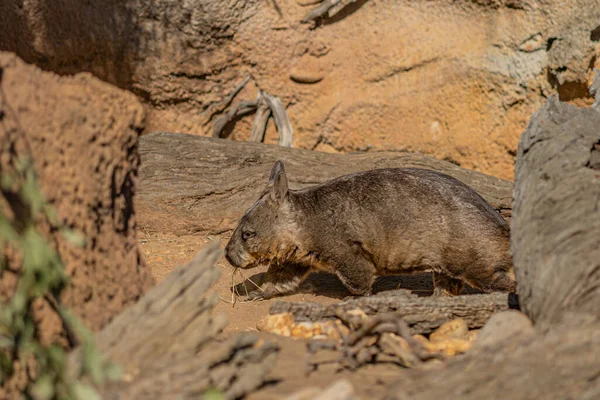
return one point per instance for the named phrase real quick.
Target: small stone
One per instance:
(280, 324)
(306, 76)
(455, 329)
(472, 335)
(450, 346)
(422, 339)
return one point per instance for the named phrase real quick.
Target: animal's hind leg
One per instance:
(499, 279)
(278, 280)
(443, 285)
(355, 271)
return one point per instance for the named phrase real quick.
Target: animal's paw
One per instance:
(257, 295)
(245, 295)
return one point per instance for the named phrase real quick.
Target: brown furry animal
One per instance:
(378, 222)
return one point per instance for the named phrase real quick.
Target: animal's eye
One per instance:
(248, 234)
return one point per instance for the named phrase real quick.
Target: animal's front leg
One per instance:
(443, 285)
(280, 280)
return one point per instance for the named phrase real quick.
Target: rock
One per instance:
(455, 329)
(279, 324)
(463, 97)
(306, 76)
(82, 136)
(502, 326)
(341, 389)
(449, 346)
(556, 218)
(595, 89)
(473, 334)
(283, 324)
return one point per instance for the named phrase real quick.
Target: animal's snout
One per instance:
(228, 255)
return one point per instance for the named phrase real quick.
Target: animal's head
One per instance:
(264, 231)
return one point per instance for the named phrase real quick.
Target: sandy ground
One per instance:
(164, 253)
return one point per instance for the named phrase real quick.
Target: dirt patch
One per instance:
(82, 134)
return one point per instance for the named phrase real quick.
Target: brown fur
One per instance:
(378, 222)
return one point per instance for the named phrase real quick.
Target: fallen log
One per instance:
(556, 224)
(167, 346)
(422, 314)
(192, 184)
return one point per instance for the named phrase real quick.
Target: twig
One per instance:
(263, 113)
(218, 108)
(242, 109)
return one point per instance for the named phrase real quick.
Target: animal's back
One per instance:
(376, 222)
(407, 219)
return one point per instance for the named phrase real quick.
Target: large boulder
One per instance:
(556, 213)
(457, 80)
(82, 135)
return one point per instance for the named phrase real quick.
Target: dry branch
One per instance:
(329, 7)
(373, 339)
(284, 126)
(218, 108)
(265, 106)
(242, 109)
(204, 185)
(263, 113)
(422, 314)
(167, 343)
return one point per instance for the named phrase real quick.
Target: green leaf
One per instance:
(85, 392)
(74, 237)
(113, 372)
(213, 394)
(43, 388)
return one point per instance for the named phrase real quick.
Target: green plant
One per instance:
(40, 276)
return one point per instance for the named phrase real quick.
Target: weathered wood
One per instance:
(595, 89)
(329, 7)
(422, 314)
(166, 342)
(191, 184)
(561, 364)
(242, 109)
(263, 113)
(218, 108)
(282, 121)
(556, 223)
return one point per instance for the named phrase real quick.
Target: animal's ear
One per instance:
(276, 170)
(278, 182)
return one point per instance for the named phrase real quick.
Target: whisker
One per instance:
(251, 281)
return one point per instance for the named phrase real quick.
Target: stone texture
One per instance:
(505, 325)
(454, 79)
(82, 134)
(556, 213)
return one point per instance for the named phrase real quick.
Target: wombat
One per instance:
(377, 222)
